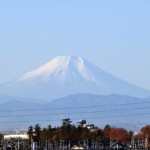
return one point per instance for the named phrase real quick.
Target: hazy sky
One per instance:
(112, 34)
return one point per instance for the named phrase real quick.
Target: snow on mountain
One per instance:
(63, 66)
(66, 75)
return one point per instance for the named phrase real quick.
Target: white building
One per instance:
(16, 136)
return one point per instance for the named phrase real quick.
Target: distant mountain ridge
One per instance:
(119, 110)
(66, 75)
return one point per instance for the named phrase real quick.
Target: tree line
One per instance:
(68, 135)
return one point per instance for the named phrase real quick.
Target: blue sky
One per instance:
(112, 34)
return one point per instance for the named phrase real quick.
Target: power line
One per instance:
(115, 116)
(64, 108)
(88, 112)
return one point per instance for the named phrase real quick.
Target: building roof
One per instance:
(16, 136)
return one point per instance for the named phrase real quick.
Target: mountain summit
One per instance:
(66, 75)
(62, 68)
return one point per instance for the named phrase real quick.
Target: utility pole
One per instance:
(18, 145)
(132, 140)
(146, 141)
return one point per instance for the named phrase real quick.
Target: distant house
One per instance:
(77, 147)
(85, 125)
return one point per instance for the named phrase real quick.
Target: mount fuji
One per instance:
(66, 75)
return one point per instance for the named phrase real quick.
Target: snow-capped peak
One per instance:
(57, 65)
(66, 75)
